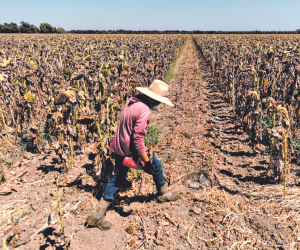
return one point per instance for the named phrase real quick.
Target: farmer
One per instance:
(129, 143)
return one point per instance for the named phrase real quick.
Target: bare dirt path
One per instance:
(240, 211)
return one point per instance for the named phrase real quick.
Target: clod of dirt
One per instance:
(196, 210)
(131, 242)
(130, 229)
(160, 242)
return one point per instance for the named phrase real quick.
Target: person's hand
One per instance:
(148, 168)
(148, 159)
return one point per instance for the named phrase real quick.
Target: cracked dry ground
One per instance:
(243, 209)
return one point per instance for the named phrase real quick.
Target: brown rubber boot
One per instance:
(97, 218)
(164, 195)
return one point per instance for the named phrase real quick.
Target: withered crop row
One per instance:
(259, 75)
(67, 90)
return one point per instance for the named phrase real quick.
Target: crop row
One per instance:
(67, 90)
(259, 75)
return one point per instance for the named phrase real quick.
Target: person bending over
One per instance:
(128, 143)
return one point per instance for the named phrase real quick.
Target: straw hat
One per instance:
(158, 91)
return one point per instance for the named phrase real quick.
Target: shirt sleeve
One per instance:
(139, 130)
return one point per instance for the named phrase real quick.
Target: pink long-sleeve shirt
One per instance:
(131, 130)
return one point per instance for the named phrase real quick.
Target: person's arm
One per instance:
(139, 133)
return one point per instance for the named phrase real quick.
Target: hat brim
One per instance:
(155, 96)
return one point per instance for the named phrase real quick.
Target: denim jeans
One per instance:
(121, 172)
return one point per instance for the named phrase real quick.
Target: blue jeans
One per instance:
(121, 172)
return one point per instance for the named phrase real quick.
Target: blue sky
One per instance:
(156, 14)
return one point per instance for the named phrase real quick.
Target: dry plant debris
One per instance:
(244, 208)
